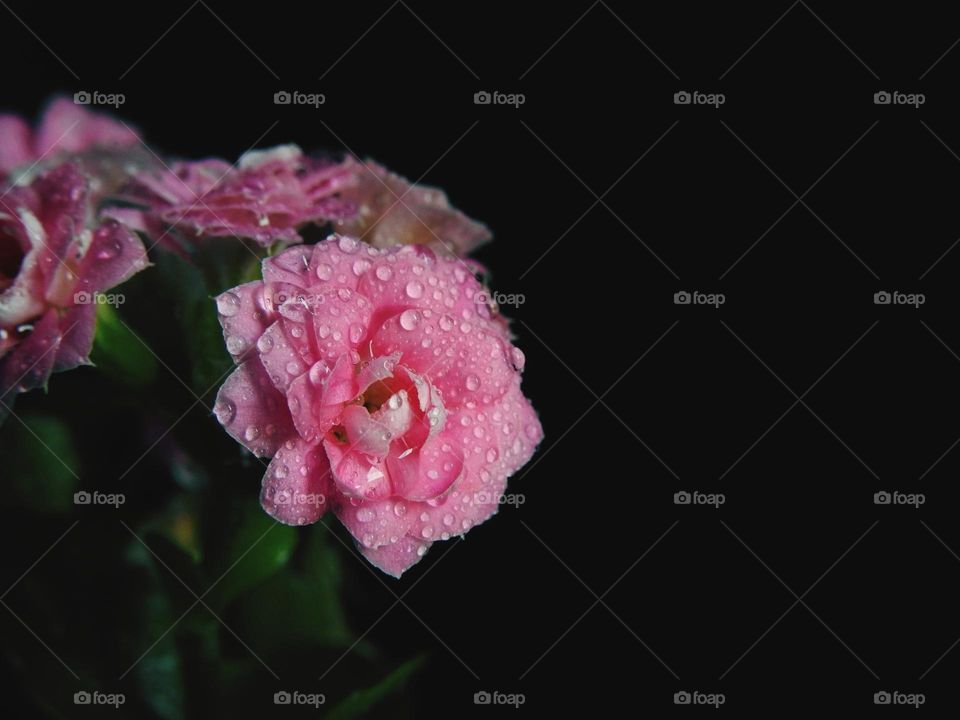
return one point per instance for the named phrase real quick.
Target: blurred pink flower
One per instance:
(392, 211)
(383, 389)
(54, 259)
(267, 197)
(64, 128)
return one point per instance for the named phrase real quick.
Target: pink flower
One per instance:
(382, 387)
(391, 211)
(266, 197)
(64, 128)
(54, 258)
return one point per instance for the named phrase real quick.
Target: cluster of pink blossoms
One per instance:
(371, 368)
(56, 254)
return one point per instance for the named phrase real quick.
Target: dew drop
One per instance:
(235, 344)
(225, 410)
(347, 244)
(324, 271)
(361, 266)
(414, 289)
(409, 319)
(228, 304)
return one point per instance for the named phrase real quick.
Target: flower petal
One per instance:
(396, 558)
(296, 485)
(252, 410)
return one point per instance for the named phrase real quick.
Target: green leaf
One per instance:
(118, 351)
(196, 314)
(359, 702)
(159, 673)
(243, 546)
(39, 462)
(307, 597)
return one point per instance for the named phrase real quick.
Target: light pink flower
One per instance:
(267, 197)
(392, 211)
(54, 258)
(65, 128)
(383, 389)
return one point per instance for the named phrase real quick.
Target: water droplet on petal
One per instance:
(414, 289)
(235, 344)
(361, 266)
(347, 244)
(251, 433)
(228, 304)
(324, 271)
(225, 410)
(409, 319)
(472, 383)
(384, 273)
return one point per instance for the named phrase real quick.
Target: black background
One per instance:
(600, 593)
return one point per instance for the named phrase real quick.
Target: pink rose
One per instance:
(392, 211)
(267, 197)
(382, 387)
(54, 258)
(64, 128)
